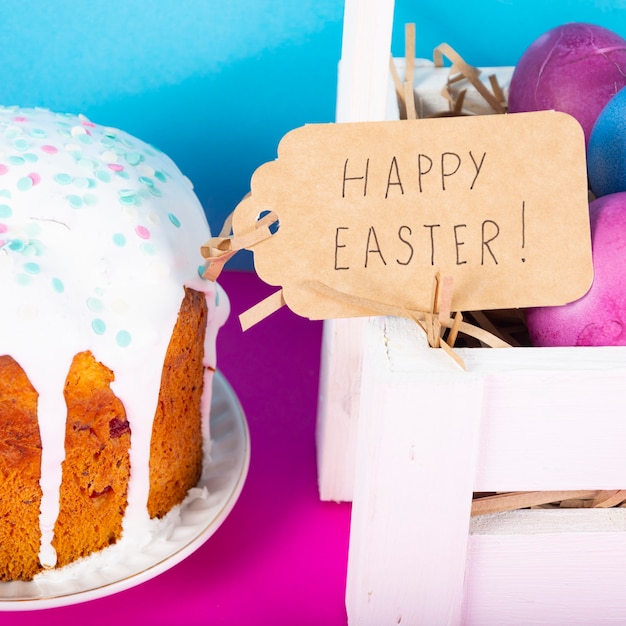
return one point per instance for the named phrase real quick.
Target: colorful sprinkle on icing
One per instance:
(63, 179)
(82, 182)
(21, 145)
(133, 158)
(95, 304)
(148, 248)
(143, 232)
(129, 197)
(87, 164)
(76, 202)
(99, 327)
(32, 268)
(123, 338)
(57, 285)
(154, 218)
(25, 183)
(120, 307)
(103, 176)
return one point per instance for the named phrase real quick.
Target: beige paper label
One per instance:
(370, 212)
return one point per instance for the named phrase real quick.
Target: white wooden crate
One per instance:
(519, 419)
(408, 437)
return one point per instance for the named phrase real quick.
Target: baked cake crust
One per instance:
(176, 444)
(20, 461)
(96, 468)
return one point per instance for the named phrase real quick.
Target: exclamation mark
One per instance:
(523, 227)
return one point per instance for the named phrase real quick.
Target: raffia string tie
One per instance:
(218, 250)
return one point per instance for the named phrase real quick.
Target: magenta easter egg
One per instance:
(599, 317)
(575, 68)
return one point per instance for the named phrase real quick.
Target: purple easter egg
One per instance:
(575, 68)
(599, 317)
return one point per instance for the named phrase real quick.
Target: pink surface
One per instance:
(280, 558)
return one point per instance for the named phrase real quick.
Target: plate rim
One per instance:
(208, 529)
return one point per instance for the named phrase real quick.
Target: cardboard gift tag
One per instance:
(364, 215)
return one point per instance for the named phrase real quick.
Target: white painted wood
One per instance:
(553, 429)
(552, 418)
(362, 95)
(364, 66)
(547, 567)
(413, 490)
(338, 407)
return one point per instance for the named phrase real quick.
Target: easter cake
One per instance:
(107, 338)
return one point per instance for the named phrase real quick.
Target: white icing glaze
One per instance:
(98, 234)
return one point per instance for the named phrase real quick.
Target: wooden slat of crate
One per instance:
(554, 427)
(415, 460)
(546, 567)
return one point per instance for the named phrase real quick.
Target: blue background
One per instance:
(217, 84)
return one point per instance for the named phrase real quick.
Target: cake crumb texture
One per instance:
(176, 443)
(96, 466)
(20, 470)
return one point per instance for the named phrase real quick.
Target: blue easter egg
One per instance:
(606, 152)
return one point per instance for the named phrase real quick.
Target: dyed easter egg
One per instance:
(575, 68)
(599, 317)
